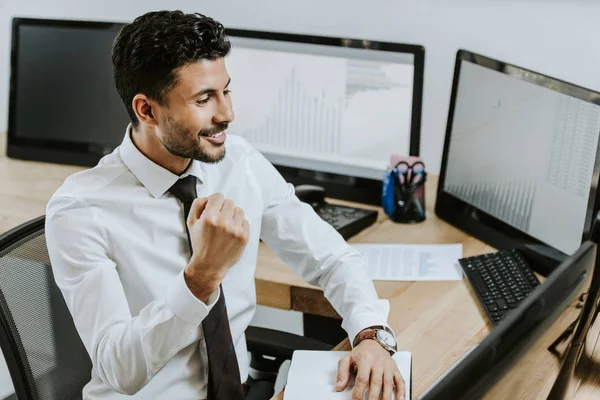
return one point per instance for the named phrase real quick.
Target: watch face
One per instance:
(386, 337)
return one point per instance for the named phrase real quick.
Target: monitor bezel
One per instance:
(472, 220)
(345, 187)
(474, 375)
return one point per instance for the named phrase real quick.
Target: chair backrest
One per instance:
(42, 348)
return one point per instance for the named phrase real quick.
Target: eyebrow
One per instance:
(209, 90)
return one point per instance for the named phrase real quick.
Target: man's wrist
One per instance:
(380, 334)
(202, 292)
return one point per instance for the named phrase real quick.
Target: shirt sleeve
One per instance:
(126, 351)
(317, 252)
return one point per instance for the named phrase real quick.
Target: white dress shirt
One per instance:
(118, 246)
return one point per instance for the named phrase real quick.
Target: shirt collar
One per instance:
(154, 177)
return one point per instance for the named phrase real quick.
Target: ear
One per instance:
(142, 106)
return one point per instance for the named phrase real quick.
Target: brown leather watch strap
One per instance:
(367, 333)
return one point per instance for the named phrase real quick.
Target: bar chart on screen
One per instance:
(566, 166)
(300, 120)
(509, 201)
(320, 106)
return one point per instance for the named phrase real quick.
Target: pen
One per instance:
(419, 208)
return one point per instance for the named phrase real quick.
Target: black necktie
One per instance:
(223, 371)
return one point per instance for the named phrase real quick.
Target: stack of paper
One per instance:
(412, 262)
(313, 375)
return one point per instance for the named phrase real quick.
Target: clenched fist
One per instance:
(219, 233)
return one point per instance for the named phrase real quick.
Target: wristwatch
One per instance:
(381, 334)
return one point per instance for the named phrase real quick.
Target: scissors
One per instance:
(410, 175)
(410, 178)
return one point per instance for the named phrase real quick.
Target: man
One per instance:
(146, 246)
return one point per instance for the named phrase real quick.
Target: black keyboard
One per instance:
(501, 281)
(348, 221)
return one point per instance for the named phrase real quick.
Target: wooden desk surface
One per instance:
(436, 321)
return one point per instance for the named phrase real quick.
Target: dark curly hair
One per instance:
(147, 53)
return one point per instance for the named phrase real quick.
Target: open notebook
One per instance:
(312, 375)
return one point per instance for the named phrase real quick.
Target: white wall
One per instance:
(558, 37)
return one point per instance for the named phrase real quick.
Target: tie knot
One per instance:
(185, 189)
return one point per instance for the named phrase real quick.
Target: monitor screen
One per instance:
(523, 153)
(327, 111)
(333, 109)
(64, 93)
(522, 357)
(520, 155)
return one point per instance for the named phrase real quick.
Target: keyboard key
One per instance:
(503, 305)
(493, 307)
(481, 287)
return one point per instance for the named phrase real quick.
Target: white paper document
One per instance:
(412, 262)
(313, 374)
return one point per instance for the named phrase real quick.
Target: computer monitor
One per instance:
(327, 111)
(520, 166)
(63, 105)
(522, 357)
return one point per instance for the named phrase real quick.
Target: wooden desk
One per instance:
(436, 321)
(280, 287)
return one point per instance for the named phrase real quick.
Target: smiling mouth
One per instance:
(216, 139)
(216, 135)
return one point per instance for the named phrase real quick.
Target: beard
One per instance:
(183, 143)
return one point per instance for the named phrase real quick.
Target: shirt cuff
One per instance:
(358, 321)
(187, 306)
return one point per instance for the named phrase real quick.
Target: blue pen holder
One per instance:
(403, 196)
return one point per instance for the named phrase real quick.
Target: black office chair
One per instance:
(45, 356)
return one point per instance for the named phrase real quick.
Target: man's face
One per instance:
(197, 112)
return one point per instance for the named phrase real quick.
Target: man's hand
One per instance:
(219, 233)
(375, 369)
